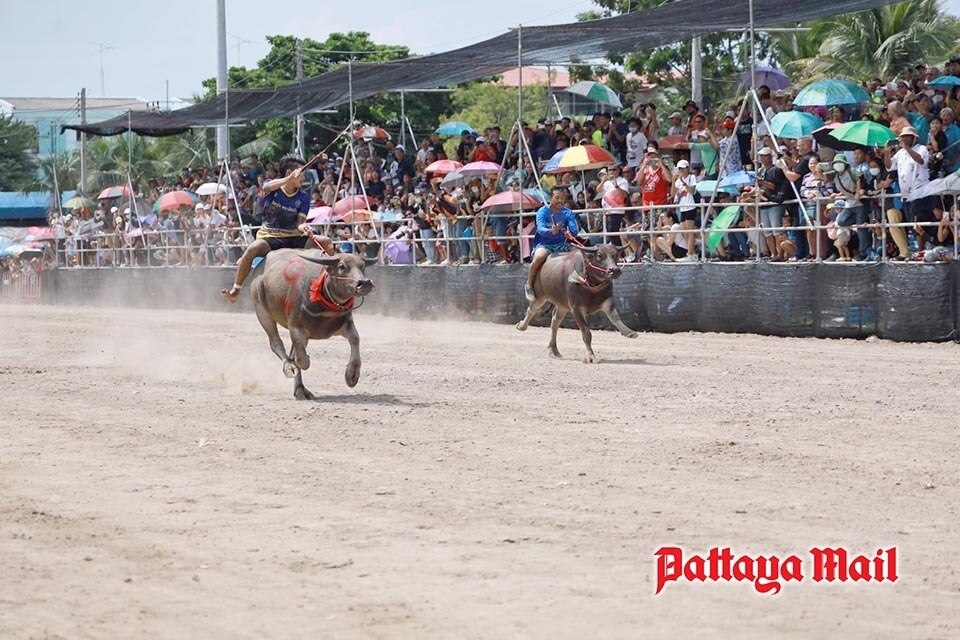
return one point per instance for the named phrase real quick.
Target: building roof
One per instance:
(536, 76)
(60, 104)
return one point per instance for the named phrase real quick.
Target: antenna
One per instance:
(103, 47)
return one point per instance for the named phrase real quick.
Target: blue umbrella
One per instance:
(944, 82)
(707, 187)
(454, 128)
(538, 194)
(386, 216)
(738, 179)
(773, 78)
(554, 162)
(826, 93)
(794, 124)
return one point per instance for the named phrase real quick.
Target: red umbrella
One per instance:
(443, 167)
(174, 200)
(482, 168)
(371, 133)
(319, 215)
(615, 198)
(671, 142)
(114, 192)
(823, 137)
(353, 202)
(357, 215)
(39, 234)
(510, 201)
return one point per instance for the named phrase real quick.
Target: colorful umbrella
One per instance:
(944, 82)
(79, 202)
(357, 215)
(210, 188)
(511, 201)
(114, 192)
(454, 128)
(794, 124)
(773, 78)
(863, 133)
(39, 234)
(477, 169)
(175, 200)
(822, 135)
(738, 179)
(442, 167)
(827, 93)
(371, 133)
(320, 215)
(583, 157)
(344, 205)
(596, 92)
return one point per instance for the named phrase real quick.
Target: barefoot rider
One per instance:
(285, 207)
(555, 223)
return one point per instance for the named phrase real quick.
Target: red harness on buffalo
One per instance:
(317, 295)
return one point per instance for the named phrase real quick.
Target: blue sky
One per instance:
(51, 47)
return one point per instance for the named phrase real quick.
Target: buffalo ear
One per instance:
(370, 261)
(325, 260)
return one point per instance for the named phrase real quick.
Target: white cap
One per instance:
(126, 211)
(683, 164)
(114, 209)
(401, 147)
(766, 151)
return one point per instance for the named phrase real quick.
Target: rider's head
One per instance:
(289, 163)
(558, 195)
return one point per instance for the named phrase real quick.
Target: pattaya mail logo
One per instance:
(768, 573)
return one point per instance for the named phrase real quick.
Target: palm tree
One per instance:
(883, 42)
(58, 173)
(112, 160)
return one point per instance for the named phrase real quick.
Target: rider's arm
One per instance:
(543, 221)
(572, 226)
(272, 185)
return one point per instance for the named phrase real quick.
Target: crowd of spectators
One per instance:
(808, 202)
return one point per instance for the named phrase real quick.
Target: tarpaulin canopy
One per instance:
(556, 44)
(31, 205)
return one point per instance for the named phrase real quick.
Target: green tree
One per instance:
(18, 144)
(486, 104)
(58, 173)
(111, 160)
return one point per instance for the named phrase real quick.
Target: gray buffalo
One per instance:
(313, 295)
(580, 281)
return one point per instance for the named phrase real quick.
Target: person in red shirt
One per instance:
(655, 180)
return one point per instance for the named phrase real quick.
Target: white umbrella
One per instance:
(210, 188)
(597, 92)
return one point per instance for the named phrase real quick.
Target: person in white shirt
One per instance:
(636, 143)
(910, 163)
(677, 127)
(684, 186)
(672, 244)
(612, 205)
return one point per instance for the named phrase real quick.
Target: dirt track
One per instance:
(158, 480)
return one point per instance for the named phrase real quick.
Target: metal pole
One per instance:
(168, 95)
(83, 142)
(102, 88)
(223, 134)
(403, 120)
(520, 100)
(696, 72)
(299, 120)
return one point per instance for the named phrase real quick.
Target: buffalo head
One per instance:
(346, 273)
(604, 259)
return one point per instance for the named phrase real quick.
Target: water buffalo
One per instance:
(580, 281)
(313, 295)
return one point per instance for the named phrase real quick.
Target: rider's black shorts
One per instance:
(289, 242)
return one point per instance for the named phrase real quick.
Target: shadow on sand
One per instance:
(371, 399)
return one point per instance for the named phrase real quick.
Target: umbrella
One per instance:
(371, 133)
(319, 215)
(477, 169)
(175, 200)
(344, 205)
(538, 194)
(826, 93)
(39, 234)
(210, 188)
(386, 216)
(114, 192)
(721, 223)
(17, 250)
(357, 215)
(454, 128)
(442, 167)
(862, 133)
(944, 82)
(453, 180)
(511, 201)
(738, 179)
(794, 124)
(822, 135)
(398, 251)
(139, 231)
(580, 158)
(668, 143)
(79, 202)
(773, 78)
(707, 187)
(596, 92)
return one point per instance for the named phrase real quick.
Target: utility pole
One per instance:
(83, 141)
(223, 134)
(103, 47)
(298, 52)
(696, 72)
(168, 95)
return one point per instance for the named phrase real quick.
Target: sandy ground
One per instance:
(158, 480)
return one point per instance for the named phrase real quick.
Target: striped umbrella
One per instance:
(580, 158)
(371, 133)
(596, 92)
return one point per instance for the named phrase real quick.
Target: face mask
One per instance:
(874, 171)
(839, 167)
(634, 129)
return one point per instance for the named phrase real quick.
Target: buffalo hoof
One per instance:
(632, 334)
(289, 369)
(521, 326)
(553, 353)
(352, 375)
(301, 393)
(591, 359)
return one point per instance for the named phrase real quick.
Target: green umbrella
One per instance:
(863, 133)
(597, 92)
(720, 225)
(79, 202)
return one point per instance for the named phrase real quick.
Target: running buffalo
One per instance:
(580, 281)
(313, 295)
